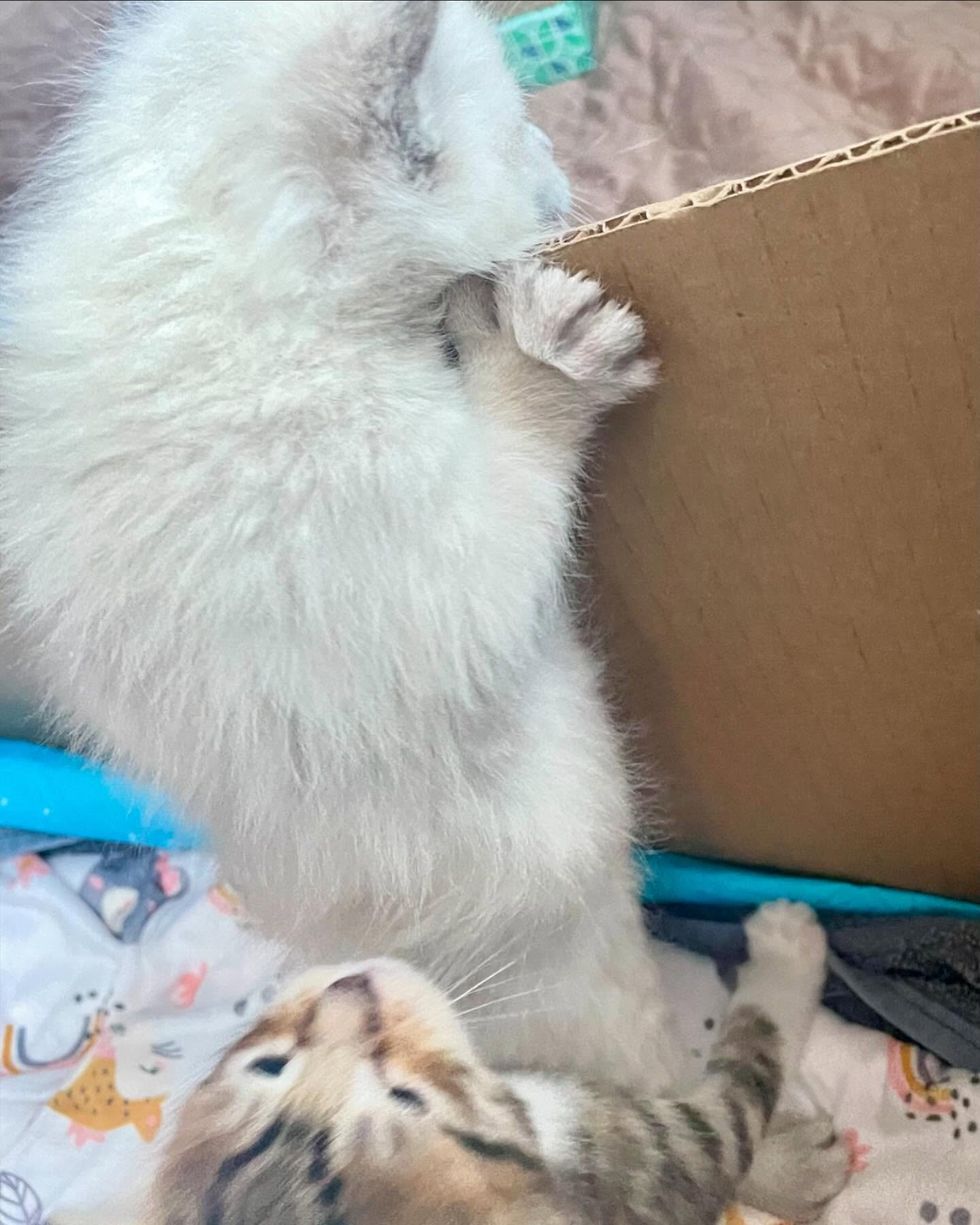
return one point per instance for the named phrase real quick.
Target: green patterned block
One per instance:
(553, 44)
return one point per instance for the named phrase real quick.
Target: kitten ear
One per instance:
(412, 26)
(409, 30)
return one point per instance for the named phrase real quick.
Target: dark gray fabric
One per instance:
(25, 842)
(921, 974)
(916, 978)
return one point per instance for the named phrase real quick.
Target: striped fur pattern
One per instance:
(681, 1161)
(360, 1101)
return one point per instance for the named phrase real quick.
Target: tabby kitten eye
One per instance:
(408, 1099)
(268, 1065)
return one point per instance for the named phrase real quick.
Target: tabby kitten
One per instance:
(358, 1100)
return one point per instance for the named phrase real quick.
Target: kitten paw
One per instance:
(788, 932)
(564, 321)
(801, 1165)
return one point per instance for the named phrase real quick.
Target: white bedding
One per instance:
(122, 982)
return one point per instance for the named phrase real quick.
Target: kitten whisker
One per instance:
(505, 999)
(483, 982)
(498, 951)
(514, 1016)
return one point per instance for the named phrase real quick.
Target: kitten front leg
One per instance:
(721, 1135)
(544, 351)
(785, 973)
(563, 320)
(801, 1164)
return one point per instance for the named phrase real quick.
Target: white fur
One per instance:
(785, 973)
(554, 1109)
(282, 559)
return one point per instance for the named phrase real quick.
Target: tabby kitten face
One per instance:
(357, 1100)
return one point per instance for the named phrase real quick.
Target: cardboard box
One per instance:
(785, 534)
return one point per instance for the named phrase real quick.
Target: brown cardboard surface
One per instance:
(786, 534)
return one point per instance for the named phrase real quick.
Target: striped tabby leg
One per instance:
(800, 1163)
(716, 1130)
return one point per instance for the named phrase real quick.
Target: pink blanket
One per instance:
(692, 92)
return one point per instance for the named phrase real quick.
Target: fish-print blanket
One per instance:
(126, 973)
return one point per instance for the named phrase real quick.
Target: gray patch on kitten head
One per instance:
(413, 28)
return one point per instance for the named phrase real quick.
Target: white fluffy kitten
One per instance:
(287, 560)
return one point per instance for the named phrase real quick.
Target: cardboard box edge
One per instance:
(718, 193)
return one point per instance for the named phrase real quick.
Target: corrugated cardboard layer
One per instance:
(786, 534)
